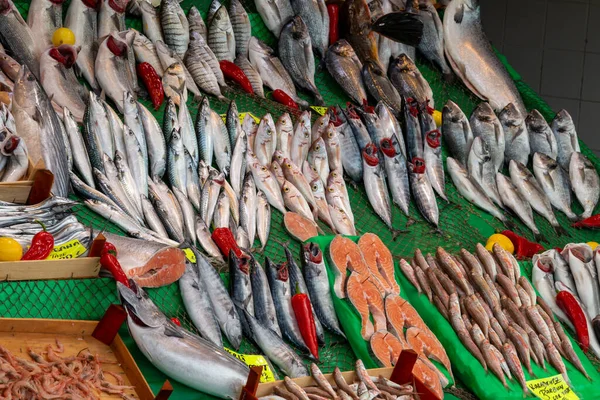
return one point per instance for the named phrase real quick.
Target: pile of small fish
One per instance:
(485, 143)
(372, 289)
(494, 310)
(573, 270)
(14, 160)
(366, 387)
(54, 376)
(20, 222)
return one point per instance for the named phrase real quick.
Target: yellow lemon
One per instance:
(10, 250)
(593, 245)
(502, 240)
(437, 117)
(63, 36)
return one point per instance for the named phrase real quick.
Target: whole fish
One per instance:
(414, 137)
(205, 240)
(397, 173)
(196, 22)
(82, 20)
(264, 308)
(355, 26)
(210, 195)
(345, 67)
(189, 215)
(222, 146)
(127, 182)
(128, 36)
(517, 204)
(248, 208)
(541, 137)
(379, 86)
(266, 182)
(295, 201)
(241, 27)
(555, 182)
(80, 155)
(111, 17)
(317, 157)
(176, 76)
(407, 79)
(471, 190)
(530, 189)
(177, 168)
(318, 191)
(343, 224)
(432, 154)
(241, 288)
(170, 119)
(457, 132)
(176, 352)
(301, 140)
(17, 164)
(390, 126)
(151, 21)
(89, 192)
(274, 14)
(43, 18)
(238, 163)
(133, 120)
(252, 75)
(336, 187)
(111, 69)
(263, 218)
(566, 137)
(220, 35)
(314, 14)
(422, 191)
(232, 122)
(466, 45)
(350, 152)
(18, 37)
(265, 142)
(482, 170)
(585, 182)
(203, 50)
(333, 147)
(168, 209)
(202, 127)
(485, 124)
(285, 134)
(175, 26)
(431, 45)
(250, 126)
(295, 52)
(145, 51)
(372, 123)
(155, 142)
(357, 127)
(116, 193)
(96, 132)
(197, 62)
(375, 184)
(516, 137)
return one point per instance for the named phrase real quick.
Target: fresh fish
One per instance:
(128, 36)
(151, 21)
(414, 137)
(238, 163)
(80, 154)
(432, 154)
(248, 202)
(397, 173)
(241, 27)
(220, 35)
(197, 62)
(263, 218)
(350, 153)
(482, 170)
(317, 157)
(176, 352)
(176, 76)
(457, 132)
(274, 14)
(318, 192)
(115, 192)
(210, 195)
(265, 141)
(111, 17)
(472, 58)
(517, 204)
(175, 26)
(222, 146)
(241, 288)
(152, 218)
(126, 180)
(43, 18)
(250, 126)
(18, 37)
(541, 137)
(277, 171)
(585, 182)
(566, 137)
(133, 120)
(336, 188)
(316, 17)
(375, 185)
(196, 301)
(431, 45)
(486, 125)
(422, 191)
(232, 122)
(82, 20)
(205, 240)
(177, 168)
(333, 148)
(581, 262)
(301, 141)
(89, 192)
(407, 79)
(155, 142)
(111, 68)
(555, 182)
(17, 165)
(189, 214)
(295, 52)
(264, 307)
(285, 134)
(168, 210)
(471, 190)
(357, 127)
(379, 86)
(196, 22)
(355, 26)
(252, 75)
(203, 131)
(516, 137)
(234, 204)
(295, 201)
(345, 67)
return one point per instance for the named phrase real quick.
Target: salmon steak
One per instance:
(299, 227)
(401, 314)
(386, 348)
(379, 260)
(150, 264)
(429, 378)
(427, 345)
(345, 255)
(357, 297)
(375, 302)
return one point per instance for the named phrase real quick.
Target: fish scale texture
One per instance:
(462, 224)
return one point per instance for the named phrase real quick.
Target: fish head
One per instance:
(373, 69)
(510, 116)
(118, 6)
(287, 164)
(194, 13)
(330, 135)
(322, 121)
(283, 272)
(387, 147)
(64, 54)
(417, 166)
(544, 162)
(404, 63)
(318, 146)
(370, 156)
(484, 113)
(433, 138)
(582, 251)
(563, 122)
(138, 305)
(313, 253)
(297, 28)
(452, 112)
(517, 169)
(116, 46)
(316, 185)
(481, 149)
(342, 48)
(284, 122)
(535, 122)
(309, 171)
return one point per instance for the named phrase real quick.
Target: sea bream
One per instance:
(516, 136)
(555, 182)
(408, 80)
(513, 200)
(541, 138)
(482, 170)
(457, 132)
(175, 26)
(220, 35)
(566, 137)
(584, 182)
(240, 23)
(315, 16)
(274, 14)
(485, 123)
(345, 67)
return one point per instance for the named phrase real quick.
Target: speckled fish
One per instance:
(375, 185)
(301, 140)
(202, 127)
(566, 137)
(175, 26)
(585, 182)
(265, 141)
(379, 86)
(82, 19)
(516, 137)
(266, 182)
(482, 170)
(197, 62)
(345, 67)
(515, 202)
(397, 173)
(18, 37)
(541, 137)
(220, 35)
(274, 14)
(457, 132)
(407, 79)
(486, 125)
(555, 182)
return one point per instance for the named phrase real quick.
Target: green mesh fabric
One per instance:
(463, 224)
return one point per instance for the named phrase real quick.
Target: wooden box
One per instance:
(82, 267)
(18, 192)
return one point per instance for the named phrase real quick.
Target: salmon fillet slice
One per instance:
(429, 378)
(299, 227)
(357, 297)
(344, 251)
(379, 260)
(375, 301)
(386, 347)
(426, 344)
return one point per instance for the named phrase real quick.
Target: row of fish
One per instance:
(14, 159)
(574, 270)
(372, 290)
(494, 310)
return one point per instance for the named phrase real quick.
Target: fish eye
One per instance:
(317, 147)
(306, 135)
(286, 189)
(315, 187)
(263, 168)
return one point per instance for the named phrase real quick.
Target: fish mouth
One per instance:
(314, 252)
(387, 147)
(546, 264)
(418, 165)
(433, 138)
(64, 54)
(370, 155)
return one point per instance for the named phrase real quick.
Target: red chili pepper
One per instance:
(109, 248)
(42, 245)
(224, 239)
(235, 73)
(282, 97)
(569, 304)
(109, 261)
(523, 247)
(306, 322)
(334, 32)
(176, 321)
(153, 83)
(592, 222)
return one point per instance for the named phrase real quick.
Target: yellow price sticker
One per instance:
(552, 388)
(320, 110)
(71, 249)
(241, 116)
(255, 360)
(189, 254)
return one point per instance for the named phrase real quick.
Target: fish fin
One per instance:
(560, 231)
(401, 27)
(172, 331)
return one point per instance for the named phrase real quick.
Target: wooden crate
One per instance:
(18, 334)
(18, 192)
(82, 267)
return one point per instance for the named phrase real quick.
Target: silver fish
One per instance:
(263, 218)
(222, 146)
(274, 14)
(486, 125)
(351, 158)
(175, 26)
(457, 132)
(375, 185)
(431, 45)
(111, 17)
(220, 35)
(295, 202)
(177, 169)
(203, 236)
(301, 140)
(345, 67)
(379, 86)
(317, 157)
(314, 14)
(176, 76)
(117, 129)
(285, 134)
(43, 18)
(189, 215)
(408, 80)
(585, 182)
(133, 120)
(318, 192)
(581, 261)
(151, 21)
(390, 125)
(566, 137)
(265, 141)
(541, 138)
(238, 163)
(232, 122)
(127, 182)
(264, 308)
(432, 154)
(210, 195)
(252, 75)
(152, 218)
(516, 137)
(202, 127)
(80, 155)
(555, 182)
(82, 20)
(248, 207)
(482, 170)
(333, 147)
(18, 37)
(516, 203)
(168, 209)
(155, 142)
(397, 173)
(111, 69)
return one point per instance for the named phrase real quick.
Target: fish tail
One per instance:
(560, 231)
(401, 27)
(539, 237)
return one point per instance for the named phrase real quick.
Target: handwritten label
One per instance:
(71, 249)
(189, 254)
(254, 360)
(552, 388)
(319, 110)
(241, 116)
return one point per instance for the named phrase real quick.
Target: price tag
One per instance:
(552, 388)
(253, 360)
(71, 249)
(319, 110)
(189, 254)
(241, 116)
